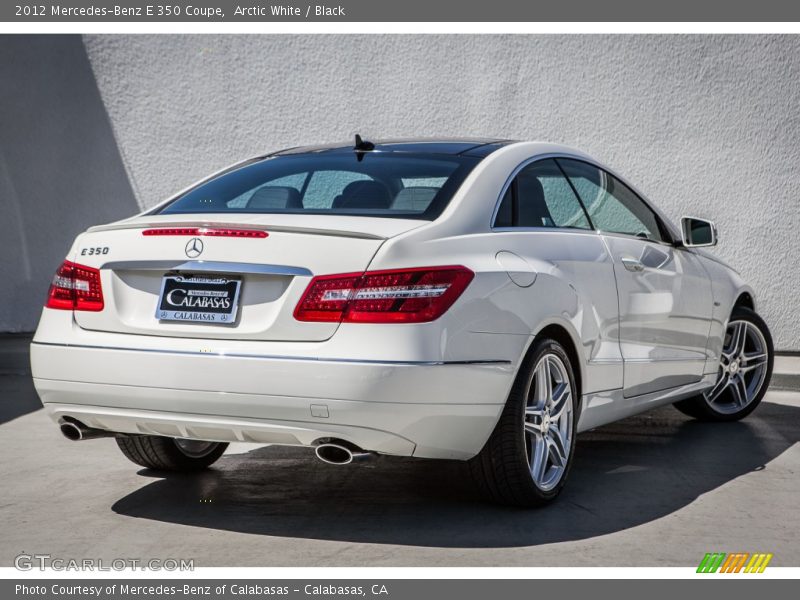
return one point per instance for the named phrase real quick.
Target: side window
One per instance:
(612, 206)
(505, 214)
(540, 196)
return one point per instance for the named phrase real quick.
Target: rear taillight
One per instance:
(75, 287)
(396, 296)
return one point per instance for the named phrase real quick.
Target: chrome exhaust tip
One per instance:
(71, 431)
(76, 431)
(339, 452)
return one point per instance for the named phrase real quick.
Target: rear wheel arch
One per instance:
(562, 335)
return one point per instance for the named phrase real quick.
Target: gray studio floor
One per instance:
(653, 490)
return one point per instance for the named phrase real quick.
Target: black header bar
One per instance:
(400, 11)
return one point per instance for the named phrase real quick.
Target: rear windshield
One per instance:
(409, 186)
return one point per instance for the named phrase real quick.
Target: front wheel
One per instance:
(744, 372)
(170, 454)
(527, 459)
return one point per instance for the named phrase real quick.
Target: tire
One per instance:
(170, 454)
(502, 470)
(746, 335)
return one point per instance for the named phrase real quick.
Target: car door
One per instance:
(664, 293)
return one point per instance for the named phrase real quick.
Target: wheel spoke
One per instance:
(533, 420)
(718, 388)
(752, 361)
(740, 338)
(736, 331)
(562, 397)
(739, 390)
(533, 428)
(539, 459)
(729, 349)
(558, 451)
(544, 385)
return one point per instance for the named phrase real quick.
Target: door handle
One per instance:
(632, 264)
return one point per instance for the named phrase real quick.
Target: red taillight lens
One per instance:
(76, 287)
(396, 296)
(326, 297)
(207, 231)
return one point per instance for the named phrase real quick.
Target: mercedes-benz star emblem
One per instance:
(194, 247)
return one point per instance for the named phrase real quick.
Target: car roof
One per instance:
(478, 147)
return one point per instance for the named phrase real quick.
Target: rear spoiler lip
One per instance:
(268, 228)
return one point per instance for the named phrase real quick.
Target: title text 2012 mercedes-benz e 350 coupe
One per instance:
(478, 300)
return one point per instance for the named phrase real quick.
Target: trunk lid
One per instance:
(273, 271)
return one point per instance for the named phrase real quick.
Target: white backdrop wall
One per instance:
(704, 125)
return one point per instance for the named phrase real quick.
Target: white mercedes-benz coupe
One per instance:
(477, 300)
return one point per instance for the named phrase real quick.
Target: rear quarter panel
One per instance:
(573, 287)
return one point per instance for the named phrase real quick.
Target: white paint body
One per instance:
(432, 389)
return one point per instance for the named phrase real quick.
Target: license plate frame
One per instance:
(196, 298)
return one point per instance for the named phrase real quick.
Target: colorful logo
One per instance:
(737, 562)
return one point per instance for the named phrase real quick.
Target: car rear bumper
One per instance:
(425, 409)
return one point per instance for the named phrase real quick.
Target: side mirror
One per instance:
(697, 233)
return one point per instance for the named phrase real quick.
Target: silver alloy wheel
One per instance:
(548, 421)
(743, 368)
(195, 448)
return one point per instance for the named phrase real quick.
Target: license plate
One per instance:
(197, 298)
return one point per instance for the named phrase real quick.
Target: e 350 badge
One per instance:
(94, 250)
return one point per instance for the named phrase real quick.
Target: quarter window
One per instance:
(612, 205)
(540, 196)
